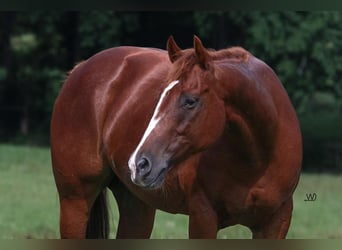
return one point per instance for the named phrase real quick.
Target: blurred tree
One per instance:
(38, 68)
(303, 47)
(7, 20)
(300, 46)
(38, 48)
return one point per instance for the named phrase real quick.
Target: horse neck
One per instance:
(250, 112)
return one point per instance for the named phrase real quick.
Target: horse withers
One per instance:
(211, 134)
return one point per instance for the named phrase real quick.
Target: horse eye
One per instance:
(190, 102)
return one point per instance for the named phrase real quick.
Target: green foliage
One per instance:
(322, 142)
(302, 47)
(23, 43)
(38, 48)
(3, 73)
(100, 30)
(92, 27)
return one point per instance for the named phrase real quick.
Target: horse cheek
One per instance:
(213, 126)
(218, 122)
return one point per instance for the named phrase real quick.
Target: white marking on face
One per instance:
(152, 124)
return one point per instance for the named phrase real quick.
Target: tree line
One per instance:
(38, 48)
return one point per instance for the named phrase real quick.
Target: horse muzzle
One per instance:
(147, 173)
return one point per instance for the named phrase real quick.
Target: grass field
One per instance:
(29, 203)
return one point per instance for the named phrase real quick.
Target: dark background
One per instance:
(38, 48)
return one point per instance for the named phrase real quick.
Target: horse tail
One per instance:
(98, 223)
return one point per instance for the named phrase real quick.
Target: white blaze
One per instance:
(152, 124)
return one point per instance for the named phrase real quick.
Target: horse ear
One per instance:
(172, 48)
(201, 52)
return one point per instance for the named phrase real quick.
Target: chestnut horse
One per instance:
(210, 134)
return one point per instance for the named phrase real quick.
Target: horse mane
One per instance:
(237, 54)
(189, 59)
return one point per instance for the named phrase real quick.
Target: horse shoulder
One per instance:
(284, 168)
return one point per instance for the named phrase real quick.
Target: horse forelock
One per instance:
(183, 66)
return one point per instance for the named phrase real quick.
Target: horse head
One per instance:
(188, 118)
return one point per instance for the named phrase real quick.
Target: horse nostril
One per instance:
(144, 166)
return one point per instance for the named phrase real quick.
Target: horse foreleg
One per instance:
(202, 219)
(278, 225)
(136, 218)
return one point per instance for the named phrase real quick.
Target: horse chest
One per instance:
(237, 193)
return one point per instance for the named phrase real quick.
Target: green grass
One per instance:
(29, 203)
